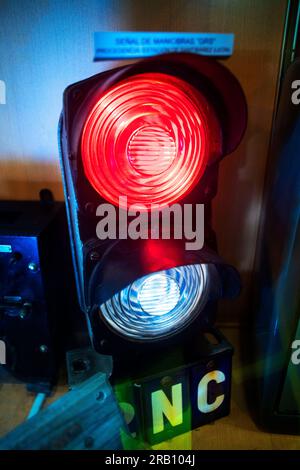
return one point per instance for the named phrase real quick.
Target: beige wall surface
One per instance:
(47, 44)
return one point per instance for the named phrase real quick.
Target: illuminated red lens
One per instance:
(149, 138)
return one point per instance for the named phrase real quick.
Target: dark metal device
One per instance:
(36, 283)
(276, 335)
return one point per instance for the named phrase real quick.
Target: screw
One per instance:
(94, 256)
(210, 365)
(166, 381)
(25, 310)
(89, 208)
(33, 267)
(104, 344)
(76, 94)
(22, 313)
(43, 348)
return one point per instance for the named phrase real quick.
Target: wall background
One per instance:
(47, 44)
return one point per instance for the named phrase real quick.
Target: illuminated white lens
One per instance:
(160, 304)
(158, 294)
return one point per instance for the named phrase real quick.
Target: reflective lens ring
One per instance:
(158, 305)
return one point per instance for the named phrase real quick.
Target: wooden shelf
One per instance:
(236, 431)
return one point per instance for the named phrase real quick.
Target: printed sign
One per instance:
(5, 249)
(194, 396)
(132, 45)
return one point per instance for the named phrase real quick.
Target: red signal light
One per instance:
(149, 137)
